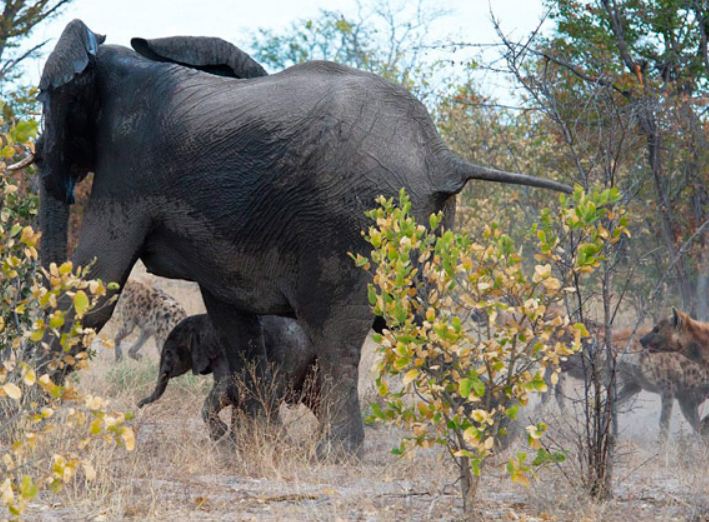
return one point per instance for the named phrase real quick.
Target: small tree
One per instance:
(46, 429)
(465, 380)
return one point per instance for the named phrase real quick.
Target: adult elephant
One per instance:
(254, 186)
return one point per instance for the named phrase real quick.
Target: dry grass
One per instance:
(177, 473)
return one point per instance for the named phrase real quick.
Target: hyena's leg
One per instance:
(690, 409)
(133, 351)
(559, 392)
(665, 415)
(124, 331)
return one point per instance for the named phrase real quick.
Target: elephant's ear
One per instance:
(65, 153)
(212, 55)
(74, 53)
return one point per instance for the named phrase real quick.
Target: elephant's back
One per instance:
(310, 118)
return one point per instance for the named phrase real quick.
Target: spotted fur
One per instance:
(670, 375)
(150, 310)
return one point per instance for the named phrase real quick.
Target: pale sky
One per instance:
(119, 20)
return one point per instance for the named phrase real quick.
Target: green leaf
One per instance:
(464, 387)
(478, 386)
(24, 130)
(28, 489)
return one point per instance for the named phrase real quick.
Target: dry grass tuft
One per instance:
(177, 473)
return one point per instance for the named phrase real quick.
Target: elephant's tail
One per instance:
(456, 172)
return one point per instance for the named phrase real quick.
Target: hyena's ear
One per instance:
(678, 319)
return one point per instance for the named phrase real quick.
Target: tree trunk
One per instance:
(468, 485)
(652, 135)
(703, 286)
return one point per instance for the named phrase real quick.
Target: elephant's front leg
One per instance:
(215, 402)
(242, 341)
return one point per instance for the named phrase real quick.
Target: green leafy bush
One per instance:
(47, 428)
(472, 328)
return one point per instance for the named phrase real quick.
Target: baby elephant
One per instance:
(193, 344)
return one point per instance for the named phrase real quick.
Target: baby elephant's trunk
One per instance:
(159, 390)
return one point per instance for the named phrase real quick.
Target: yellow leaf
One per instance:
(29, 377)
(93, 403)
(37, 335)
(7, 496)
(95, 427)
(12, 391)
(520, 478)
(552, 284)
(81, 302)
(66, 268)
(89, 470)
(410, 376)
(128, 438)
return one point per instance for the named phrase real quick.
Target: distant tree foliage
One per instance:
(17, 21)
(386, 37)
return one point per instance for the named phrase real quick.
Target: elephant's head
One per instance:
(188, 347)
(69, 92)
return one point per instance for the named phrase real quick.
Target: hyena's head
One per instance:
(678, 333)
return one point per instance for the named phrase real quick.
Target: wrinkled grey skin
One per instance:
(194, 345)
(252, 186)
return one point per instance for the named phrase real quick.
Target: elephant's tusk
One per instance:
(24, 162)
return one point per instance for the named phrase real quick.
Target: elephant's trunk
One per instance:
(159, 390)
(54, 224)
(456, 172)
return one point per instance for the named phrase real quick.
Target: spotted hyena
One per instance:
(670, 375)
(681, 334)
(149, 309)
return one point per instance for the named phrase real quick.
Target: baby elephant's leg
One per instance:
(215, 402)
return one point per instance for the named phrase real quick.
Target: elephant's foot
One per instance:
(342, 438)
(118, 353)
(135, 356)
(337, 450)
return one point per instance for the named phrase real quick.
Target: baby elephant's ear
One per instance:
(74, 53)
(212, 55)
(201, 354)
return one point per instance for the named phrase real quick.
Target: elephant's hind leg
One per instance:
(338, 344)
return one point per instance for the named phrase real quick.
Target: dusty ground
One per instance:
(176, 473)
